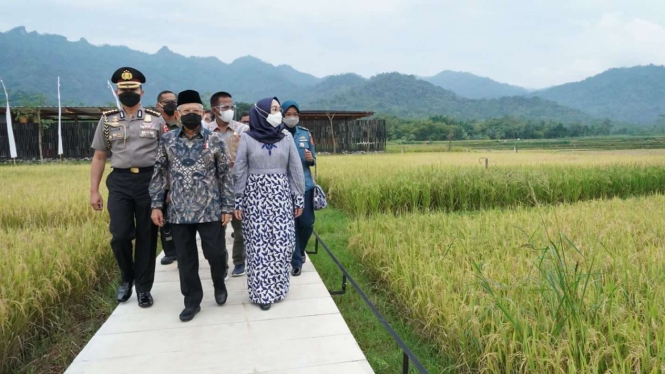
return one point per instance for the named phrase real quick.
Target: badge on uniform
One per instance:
(148, 126)
(115, 135)
(148, 134)
(147, 118)
(302, 145)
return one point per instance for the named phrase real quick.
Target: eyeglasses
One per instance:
(185, 112)
(223, 108)
(292, 116)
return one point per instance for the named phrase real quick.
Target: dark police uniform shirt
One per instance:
(198, 170)
(131, 141)
(303, 140)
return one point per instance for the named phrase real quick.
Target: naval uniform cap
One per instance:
(128, 78)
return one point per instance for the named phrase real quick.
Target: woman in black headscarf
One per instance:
(268, 197)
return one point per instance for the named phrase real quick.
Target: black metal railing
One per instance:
(408, 357)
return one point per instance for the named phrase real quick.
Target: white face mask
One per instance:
(227, 116)
(291, 121)
(275, 119)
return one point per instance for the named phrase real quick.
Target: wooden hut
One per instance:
(333, 132)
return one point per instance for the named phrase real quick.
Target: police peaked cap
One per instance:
(127, 77)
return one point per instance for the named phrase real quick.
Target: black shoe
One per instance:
(264, 306)
(296, 272)
(124, 291)
(168, 260)
(145, 299)
(221, 295)
(189, 313)
(304, 258)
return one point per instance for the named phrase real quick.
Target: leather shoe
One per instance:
(145, 299)
(264, 306)
(124, 291)
(296, 272)
(189, 313)
(221, 295)
(168, 260)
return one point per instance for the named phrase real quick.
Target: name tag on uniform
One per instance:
(116, 133)
(148, 126)
(148, 134)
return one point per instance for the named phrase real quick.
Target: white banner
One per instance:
(10, 130)
(59, 121)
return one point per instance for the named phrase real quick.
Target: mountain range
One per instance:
(31, 62)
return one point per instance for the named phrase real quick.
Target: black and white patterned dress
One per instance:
(270, 185)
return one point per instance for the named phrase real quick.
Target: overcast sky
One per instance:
(531, 43)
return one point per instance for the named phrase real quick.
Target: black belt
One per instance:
(147, 169)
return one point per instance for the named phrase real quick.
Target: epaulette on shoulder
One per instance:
(286, 132)
(110, 112)
(303, 128)
(153, 112)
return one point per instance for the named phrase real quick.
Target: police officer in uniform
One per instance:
(305, 145)
(131, 136)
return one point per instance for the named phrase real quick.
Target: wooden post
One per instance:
(332, 131)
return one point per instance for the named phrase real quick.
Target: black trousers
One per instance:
(129, 210)
(166, 235)
(304, 229)
(212, 242)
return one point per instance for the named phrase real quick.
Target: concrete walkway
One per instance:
(303, 334)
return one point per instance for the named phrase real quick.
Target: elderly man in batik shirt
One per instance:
(195, 162)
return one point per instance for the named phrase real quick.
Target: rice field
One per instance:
(569, 288)
(585, 143)
(365, 185)
(54, 251)
(543, 263)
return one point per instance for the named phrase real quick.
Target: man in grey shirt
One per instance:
(130, 135)
(223, 107)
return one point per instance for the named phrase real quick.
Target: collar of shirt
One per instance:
(172, 125)
(233, 126)
(199, 134)
(139, 114)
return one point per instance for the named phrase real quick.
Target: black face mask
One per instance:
(129, 99)
(191, 120)
(169, 109)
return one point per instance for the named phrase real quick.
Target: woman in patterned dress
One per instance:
(268, 197)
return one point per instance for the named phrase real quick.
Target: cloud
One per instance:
(612, 40)
(525, 42)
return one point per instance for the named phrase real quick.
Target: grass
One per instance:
(380, 349)
(571, 288)
(55, 251)
(365, 185)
